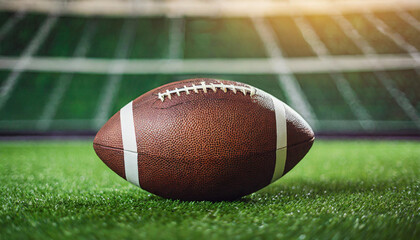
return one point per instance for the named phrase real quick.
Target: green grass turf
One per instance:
(341, 190)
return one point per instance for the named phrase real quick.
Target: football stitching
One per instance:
(203, 86)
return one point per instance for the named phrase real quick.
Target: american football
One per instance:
(204, 139)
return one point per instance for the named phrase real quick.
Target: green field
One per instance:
(341, 190)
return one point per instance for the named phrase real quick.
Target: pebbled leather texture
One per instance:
(206, 145)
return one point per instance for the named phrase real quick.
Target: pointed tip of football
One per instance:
(300, 138)
(296, 153)
(110, 134)
(109, 147)
(113, 158)
(298, 130)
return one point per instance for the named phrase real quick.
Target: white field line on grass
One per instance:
(394, 36)
(398, 96)
(285, 77)
(10, 23)
(343, 86)
(115, 74)
(217, 66)
(207, 8)
(25, 58)
(176, 38)
(57, 93)
(409, 19)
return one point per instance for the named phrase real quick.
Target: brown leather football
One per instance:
(203, 139)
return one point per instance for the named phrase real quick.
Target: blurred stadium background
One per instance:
(349, 67)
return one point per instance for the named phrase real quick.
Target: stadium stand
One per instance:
(332, 36)
(415, 14)
(67, 32)
(5, 16)
(72, 100)
(227, 38)
(408, 82)
(156, 39)
(105, 39)
(79, 99)
(375, 98)
(27, 102)
(376, 39)
(294, 45)
(409, 33)
(321, 91)
(20, 35)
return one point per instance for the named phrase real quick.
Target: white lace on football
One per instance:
(203, 86)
